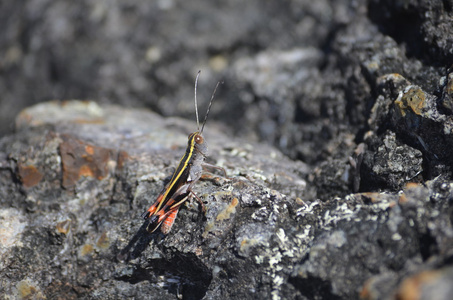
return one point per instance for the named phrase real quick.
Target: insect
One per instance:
(165, 209)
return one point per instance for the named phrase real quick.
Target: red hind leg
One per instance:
(169, 220)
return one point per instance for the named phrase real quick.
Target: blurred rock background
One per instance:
(297, 74)
(358, 93)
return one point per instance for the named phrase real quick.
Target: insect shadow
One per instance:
(139, 243)
(185, 276)
(142, 238)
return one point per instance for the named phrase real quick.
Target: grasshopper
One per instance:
(165, 209)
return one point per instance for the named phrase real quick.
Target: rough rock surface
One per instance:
(76, 177)
(352, 200)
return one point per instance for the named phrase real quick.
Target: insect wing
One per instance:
(166, 205)
(165, 195)
(152, 209)
(165, 216)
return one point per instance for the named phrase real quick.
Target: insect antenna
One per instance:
(210, 103)
(196, 105)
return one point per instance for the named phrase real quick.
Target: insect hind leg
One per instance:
(203, 207)
(206, 165)
(167, 224)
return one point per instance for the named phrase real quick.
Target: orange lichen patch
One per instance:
(230, 209)
(81, 159)
(198, 251)
(86, 171)
(103, 242)
(122, 157)
(367, 291)
(412, 185)
(402, 199)
(89, 149)
(411, 288)
(26, 290)
(409, 189)
(29, 175)
(86, 249)
(413, 98)
(64, 226)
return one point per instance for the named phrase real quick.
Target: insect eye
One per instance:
(199, 139)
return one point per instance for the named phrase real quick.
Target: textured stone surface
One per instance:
(81, 213)
(81, 236)
(356, 95)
